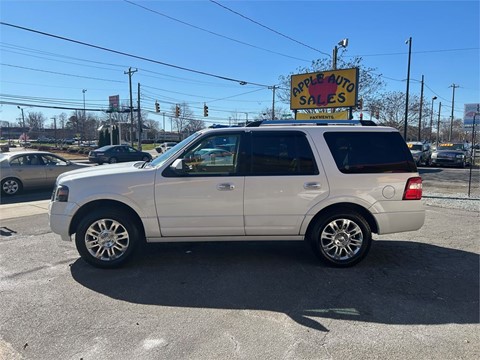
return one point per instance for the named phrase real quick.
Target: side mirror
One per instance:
(178, 167)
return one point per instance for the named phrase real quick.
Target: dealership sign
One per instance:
(471, 111)
(327, 89)
(114, 102)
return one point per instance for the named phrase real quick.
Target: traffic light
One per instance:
(177, 111)
(205, 110)
(377, 114)
(361, 116)
(360, 104)
(157, 106)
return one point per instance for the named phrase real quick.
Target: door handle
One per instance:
(225, 187)
(312, 186)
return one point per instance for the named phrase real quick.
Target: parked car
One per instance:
(117, 153)
(332, 186)
(421, 152)
(165, 146)
(451, 154)
(32, 169)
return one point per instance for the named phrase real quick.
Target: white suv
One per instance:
(332, 186)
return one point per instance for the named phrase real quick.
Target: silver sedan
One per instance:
(32, 169)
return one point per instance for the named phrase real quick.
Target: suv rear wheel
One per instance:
(106, 238)
(341, 238)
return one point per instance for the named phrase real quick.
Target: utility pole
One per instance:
(409, 41)
(130, 73)
(431, 118)
(453, 106)
(273, 101)
(55, 128)
(420, 114)
(139, 116)
(84, 116)
(438, 122)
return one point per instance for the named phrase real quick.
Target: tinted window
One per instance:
(370, 152)
(281, 153)
(215, 155)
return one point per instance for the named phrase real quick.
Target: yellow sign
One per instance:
(327, 89)
(340, 115)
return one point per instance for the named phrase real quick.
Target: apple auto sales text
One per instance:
(341, 82)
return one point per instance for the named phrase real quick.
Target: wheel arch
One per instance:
(345, 207)
(105, 203)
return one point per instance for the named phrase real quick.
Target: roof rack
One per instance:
(312, 122)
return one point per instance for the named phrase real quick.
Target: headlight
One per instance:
(459, 156)
(61, 194)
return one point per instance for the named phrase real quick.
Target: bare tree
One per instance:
(194, 125)
(35, 120)
(266, 113)
(153, 128)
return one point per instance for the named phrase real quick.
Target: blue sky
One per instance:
(205, 37)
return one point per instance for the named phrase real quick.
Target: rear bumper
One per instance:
(399, 216)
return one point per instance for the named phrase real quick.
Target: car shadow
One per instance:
(400, 282)
(27, 196)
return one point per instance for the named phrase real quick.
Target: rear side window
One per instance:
(370, 152)
(281, 153)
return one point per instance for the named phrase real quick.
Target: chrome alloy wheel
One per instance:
(10, 187)
(106, 239)
(341, 239)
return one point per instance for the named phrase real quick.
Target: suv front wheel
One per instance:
(106, 238)
(340, 238)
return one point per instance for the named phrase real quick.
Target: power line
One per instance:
(213, 33)
(59, 73)
(241, 82)
(266, 27)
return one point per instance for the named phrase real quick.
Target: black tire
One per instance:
(340, 238)
(113, 160)
(11, 186)
(107, 238)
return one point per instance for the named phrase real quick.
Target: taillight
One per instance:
(413, 190)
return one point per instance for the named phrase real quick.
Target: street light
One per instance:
(23, 125)
(342, 43)
(409, 42)
(431, 118)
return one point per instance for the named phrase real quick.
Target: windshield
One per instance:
(450, 147)
(159, 160)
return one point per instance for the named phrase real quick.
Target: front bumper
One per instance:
(60, 216)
